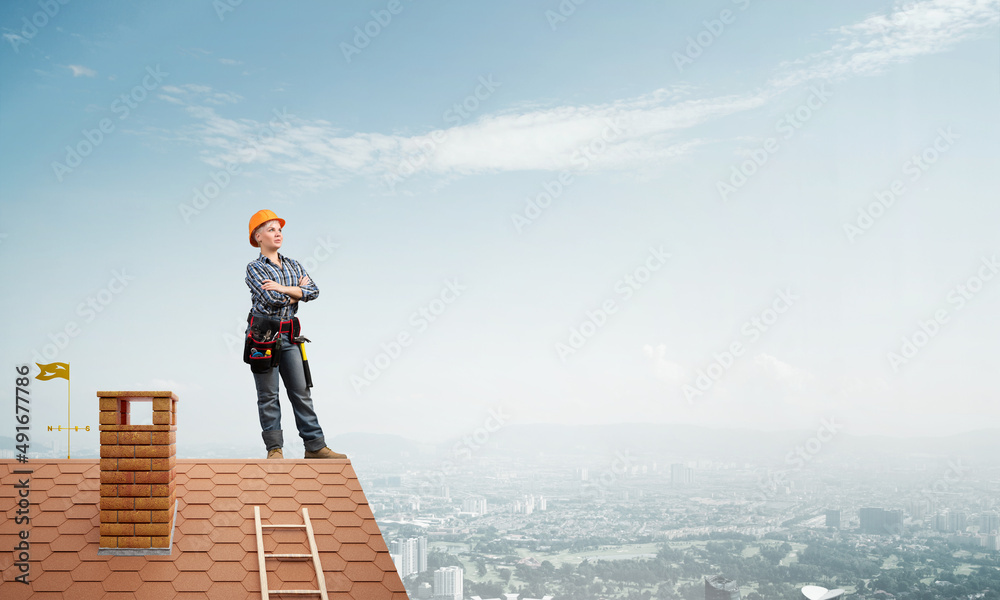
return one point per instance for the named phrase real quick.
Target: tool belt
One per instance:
(262, 347)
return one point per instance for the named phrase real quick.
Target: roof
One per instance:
(214, 544)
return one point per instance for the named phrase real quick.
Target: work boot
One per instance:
(324, 452)
(275, 453)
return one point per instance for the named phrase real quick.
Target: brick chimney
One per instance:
(138, 463)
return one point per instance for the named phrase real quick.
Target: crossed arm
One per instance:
(294, 292)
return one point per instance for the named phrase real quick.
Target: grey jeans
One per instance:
(269, 409)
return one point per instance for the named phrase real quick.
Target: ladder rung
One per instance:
(282, 526)
(288, 556)
(293, 591)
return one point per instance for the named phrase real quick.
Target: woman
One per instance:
(277, 285)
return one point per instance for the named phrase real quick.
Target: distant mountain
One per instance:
(672, 442)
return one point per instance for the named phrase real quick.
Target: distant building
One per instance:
(720, 588)
(448, 583)
(833, 519)
(474, 504)
(409, 556)
(681, 475)
(989, 522)
(879, 521)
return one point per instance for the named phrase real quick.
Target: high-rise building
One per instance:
(475, 505)
(833, 518)
(872, 520)
(409, 556)
(957, 521)
(422, 553)
(720, 588)
(989, 522)
(448, 583)
(681, 475)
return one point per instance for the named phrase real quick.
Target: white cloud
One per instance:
(81, 71)
(634, 134)
(229, 61)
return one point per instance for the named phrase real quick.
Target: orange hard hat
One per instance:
(259, 218)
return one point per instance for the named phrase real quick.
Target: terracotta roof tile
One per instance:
(215, 546)
(52, 581)
(159, 571)
(60, 561)
(227, 590)
(192, 581)
(193, 561)
(192, 543)
(227, 571)
(363, 571)
(122, 581)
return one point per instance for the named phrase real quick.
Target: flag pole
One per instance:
(67, 416)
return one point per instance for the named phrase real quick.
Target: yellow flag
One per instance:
(53, 370)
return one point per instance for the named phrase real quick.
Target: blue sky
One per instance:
(542, 159)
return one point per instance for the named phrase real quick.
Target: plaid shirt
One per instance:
(273, 304)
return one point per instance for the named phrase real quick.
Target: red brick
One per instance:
(164, 437)
(161, 516)
(109, 541)
(109, 464)
(133, 516)
(136, 490)
(118, 477)
(109, 437)
(156, 451)
(133, 464)
(134, 542)
(151, 529)
(109, 490)
(163, 464)
(162, 404)
(160, 542)
(109, 403)
(152, 503)
(117, 529)
(109, 516)
(117, 451)
(161, 490)
(108, 418)
(161, 418)
(152, 477)
(137, 438)
(117, 503)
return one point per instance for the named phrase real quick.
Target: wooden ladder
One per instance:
(313, 554)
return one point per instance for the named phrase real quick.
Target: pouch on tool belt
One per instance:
(262, 350)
